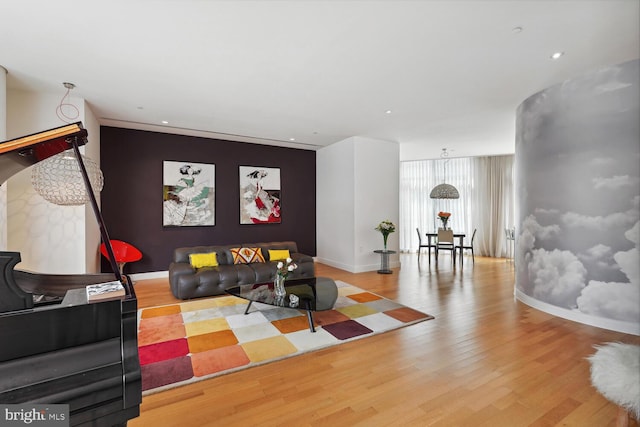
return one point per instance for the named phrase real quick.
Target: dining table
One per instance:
(434, 235)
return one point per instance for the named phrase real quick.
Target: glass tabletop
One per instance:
(313, 294)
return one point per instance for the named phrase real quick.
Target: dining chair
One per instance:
(445, 243)
(420, 246)
(462, 247)
(510, 236)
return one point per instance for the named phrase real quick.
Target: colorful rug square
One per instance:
(195, 340)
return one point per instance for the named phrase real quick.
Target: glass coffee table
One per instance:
(313, 294)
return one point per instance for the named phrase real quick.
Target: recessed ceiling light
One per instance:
(557, 55)
(388, 112)
(164, 122)
(292, 139)
(517, 29)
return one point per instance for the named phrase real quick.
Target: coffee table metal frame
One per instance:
(314, 294)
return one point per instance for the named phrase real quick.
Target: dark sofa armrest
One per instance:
(179, 269)
(181, 276)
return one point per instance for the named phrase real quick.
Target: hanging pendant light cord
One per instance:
(65, 103)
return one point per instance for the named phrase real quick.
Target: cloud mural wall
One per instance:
(578, 196)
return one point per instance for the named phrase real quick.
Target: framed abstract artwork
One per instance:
(188, 194)
(260, 201)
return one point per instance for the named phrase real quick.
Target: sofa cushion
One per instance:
(223, 254)
(266, 246)
(198, 260)
(247, 255)
(279, 254)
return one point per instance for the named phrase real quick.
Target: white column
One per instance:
(357, 183)
(3, 136)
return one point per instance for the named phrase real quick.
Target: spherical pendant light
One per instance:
(59, 180)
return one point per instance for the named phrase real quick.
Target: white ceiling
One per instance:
(452, 72)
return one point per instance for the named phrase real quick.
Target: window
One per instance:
(486, 200)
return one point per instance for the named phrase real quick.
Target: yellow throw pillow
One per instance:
(279, 254)
(246, 255)
(203, 260)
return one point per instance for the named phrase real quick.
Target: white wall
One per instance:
(357, 187)
(92, 229)
(335, 188)
(50, 238)
(377, 192)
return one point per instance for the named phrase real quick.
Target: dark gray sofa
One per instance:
(187, 282)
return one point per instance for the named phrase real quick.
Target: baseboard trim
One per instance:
(356, 268)
(149, 275)
(577, 316)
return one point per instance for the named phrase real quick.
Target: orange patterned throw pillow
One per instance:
(246, 255)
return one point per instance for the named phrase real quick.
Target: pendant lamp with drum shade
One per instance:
(444, 190)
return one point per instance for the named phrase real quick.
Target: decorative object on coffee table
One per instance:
(283, 270)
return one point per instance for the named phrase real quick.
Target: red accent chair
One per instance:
(123, 252)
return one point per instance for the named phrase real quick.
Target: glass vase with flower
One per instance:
(283, 268)
(444, 217)
(386, 227)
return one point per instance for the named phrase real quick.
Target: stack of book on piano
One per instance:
(105, 291)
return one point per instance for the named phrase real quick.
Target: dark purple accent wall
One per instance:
(131, 201)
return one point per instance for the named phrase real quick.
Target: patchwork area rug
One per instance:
(195, 340)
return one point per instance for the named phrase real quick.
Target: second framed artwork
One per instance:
(260, 201)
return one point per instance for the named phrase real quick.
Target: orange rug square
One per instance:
(291, 324)
(364, 297)
(204, 342)
(220, 359)
(160, 311)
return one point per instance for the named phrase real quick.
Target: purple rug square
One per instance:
(166, 372)
(347, 329)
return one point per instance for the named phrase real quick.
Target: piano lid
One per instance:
(20, 153)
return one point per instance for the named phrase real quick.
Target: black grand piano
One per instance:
(55, 347)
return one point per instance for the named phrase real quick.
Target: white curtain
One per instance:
(486, 200)
(494, 202)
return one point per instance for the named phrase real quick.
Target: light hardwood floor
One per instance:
(485, 360)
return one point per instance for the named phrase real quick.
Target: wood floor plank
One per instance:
(485, 360)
